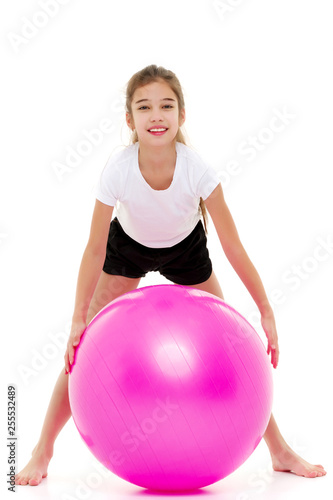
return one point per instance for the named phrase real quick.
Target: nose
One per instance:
(156, 115)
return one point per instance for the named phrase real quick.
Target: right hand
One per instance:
(75, 335)
(269, 327)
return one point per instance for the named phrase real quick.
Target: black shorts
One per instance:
(186, 263)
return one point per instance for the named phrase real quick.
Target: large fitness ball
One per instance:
(171, 388)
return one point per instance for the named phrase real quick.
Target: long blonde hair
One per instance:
(151, 74)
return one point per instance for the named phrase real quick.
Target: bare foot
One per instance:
(36, 468)
(288, 461)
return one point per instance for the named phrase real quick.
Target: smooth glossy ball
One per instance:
(171, 388)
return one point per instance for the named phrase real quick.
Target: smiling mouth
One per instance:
(157, 130)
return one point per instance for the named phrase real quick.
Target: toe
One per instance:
(311, 473)
(315, 473)
(35, 480)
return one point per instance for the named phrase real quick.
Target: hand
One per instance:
(75, 335)
(268, 324)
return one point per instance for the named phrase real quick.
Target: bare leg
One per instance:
(58, 413)
(284, 459)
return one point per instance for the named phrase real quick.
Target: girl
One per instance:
(161, 188)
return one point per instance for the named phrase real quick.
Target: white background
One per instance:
(238, 67)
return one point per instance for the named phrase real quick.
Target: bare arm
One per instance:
(89, 272)
(92, 260)
(240, 261)
(233, 248)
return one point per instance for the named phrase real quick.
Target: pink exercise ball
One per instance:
(171, 388)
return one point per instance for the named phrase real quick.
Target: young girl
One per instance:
(161, 188)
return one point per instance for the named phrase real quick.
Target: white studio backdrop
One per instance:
(258, 86)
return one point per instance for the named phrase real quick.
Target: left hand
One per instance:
(268, 324)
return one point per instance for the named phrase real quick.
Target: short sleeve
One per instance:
(108, 187)
(207, 183)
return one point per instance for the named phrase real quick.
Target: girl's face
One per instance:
(155, 114)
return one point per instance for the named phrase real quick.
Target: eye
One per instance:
(168, 106)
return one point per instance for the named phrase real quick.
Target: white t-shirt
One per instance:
(156, 218)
